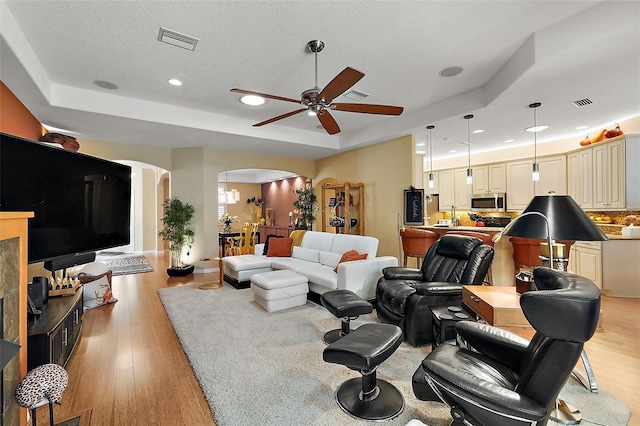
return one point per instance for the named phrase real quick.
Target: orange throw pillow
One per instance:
(280, 247)
(350, 255)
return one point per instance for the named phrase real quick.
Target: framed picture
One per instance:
(332, 202)
(413, 206)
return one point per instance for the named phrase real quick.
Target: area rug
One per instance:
(256, 367)
(126, 264)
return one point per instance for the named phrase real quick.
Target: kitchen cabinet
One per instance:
(612, 265)
(447, 190)
(553, 175)
(580, 177)
(605, 175)
(585, 260)
(520, 186)
(462, 190)
(490, 179)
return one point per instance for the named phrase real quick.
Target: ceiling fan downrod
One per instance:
(316, 46)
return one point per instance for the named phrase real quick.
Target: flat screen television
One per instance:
(81, 203)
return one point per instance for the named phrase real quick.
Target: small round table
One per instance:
(212, 285)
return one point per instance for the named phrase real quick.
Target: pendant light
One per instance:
(228, 197)
(535, 175)
(469, 172)
(430, 151)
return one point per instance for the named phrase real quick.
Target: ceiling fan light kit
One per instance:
(319, 102)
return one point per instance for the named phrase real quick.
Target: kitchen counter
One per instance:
(444, 229)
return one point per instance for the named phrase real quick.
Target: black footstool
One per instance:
(347, 306)
(363, 350)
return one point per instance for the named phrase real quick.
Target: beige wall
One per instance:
(245, 212)
(385, 169)
(157, 156)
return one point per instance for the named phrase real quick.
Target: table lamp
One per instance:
(557, 217)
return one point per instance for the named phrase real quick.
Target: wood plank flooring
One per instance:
(129, 367)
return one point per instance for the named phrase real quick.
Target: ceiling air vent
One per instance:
(356, 95)
(581, 103)
(177, 39)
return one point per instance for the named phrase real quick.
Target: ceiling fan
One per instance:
(321, 101)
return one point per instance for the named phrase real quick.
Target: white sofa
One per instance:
(316, 258)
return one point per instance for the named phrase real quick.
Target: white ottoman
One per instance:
(277, 290)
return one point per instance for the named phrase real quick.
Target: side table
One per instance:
(212, 285)
(444, 323)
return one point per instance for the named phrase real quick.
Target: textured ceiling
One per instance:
(513, 53)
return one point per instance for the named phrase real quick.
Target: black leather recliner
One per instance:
(503, 379)
(405, 294)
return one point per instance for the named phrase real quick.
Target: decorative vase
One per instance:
(258, 214)
(226, 228)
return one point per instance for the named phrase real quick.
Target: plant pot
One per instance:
(180, 272)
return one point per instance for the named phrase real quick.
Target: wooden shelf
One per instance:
(349, 205)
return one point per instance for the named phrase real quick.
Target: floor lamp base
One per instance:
(566, 413)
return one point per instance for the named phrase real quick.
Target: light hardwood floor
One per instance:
(129, 368)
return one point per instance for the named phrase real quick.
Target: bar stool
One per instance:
(416, 243)
(486, 239)
(42, 385)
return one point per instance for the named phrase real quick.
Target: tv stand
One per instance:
(64, 262)
(55, 332)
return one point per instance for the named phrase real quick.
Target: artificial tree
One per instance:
(178, 231)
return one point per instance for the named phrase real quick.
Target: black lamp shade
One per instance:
(7, 351)
(567, 221)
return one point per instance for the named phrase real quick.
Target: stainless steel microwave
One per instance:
(489, 202)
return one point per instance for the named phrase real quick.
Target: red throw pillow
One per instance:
(280, 247)
(350, 255)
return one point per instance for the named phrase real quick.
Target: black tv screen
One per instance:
(81, 203)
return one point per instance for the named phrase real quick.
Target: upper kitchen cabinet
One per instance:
(462, 190)
(605, 175)
(490, 179)
(446, 185)
(553, 175)
(519, 184)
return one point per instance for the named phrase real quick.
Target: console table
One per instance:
(54, 333)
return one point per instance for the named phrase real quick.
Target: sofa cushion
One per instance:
(245, 262)
(362, 244)
(321, 275)
(349, 256)
(265, 250)
(302, 253)
(330, 259)
(280, 247)
(321, 241)
(290, 263)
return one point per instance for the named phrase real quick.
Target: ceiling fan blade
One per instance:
(369, 108)
(264, 95)
(340, 83)
(280, 117)
(328, 122)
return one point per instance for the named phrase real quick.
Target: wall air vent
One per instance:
(177, 39)
(581, 103)
(356, 95)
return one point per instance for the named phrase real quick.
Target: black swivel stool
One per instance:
(347, 306)
(363, 350)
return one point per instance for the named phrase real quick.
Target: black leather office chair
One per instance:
(405, 294)
(504, 379)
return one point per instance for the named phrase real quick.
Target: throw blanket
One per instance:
(297, 237)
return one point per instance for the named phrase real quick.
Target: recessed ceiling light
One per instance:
(450, 72)
(509, 140)
(478, 131)
(252, 100)
(421, 152)
(105, 84)
(536, 129)
(420, 144)
(174, 82)
(453, 150)
(582, 127)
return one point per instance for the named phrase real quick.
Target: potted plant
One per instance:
(178, 231)
(305, 204)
